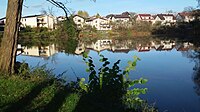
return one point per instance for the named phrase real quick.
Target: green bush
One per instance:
(112, 85)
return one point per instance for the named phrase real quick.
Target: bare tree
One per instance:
(61, 6)
(8, 46)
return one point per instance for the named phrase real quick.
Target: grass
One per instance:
(38, 95)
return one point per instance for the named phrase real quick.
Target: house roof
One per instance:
(91, 19)
(161, 16)
(79, 16)
(144, 14)
(184, 14)
(126, 13)
(154, 16)
(26, 16)
(123, 15)
(2, 18)
(33, 16)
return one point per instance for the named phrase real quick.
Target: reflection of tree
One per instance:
(196, 77)
(195, 56)
(68, 45)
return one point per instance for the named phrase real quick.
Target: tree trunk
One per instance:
(8, 46)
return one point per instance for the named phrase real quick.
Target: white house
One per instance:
(99, 23)
(79, 20)
(61, 18)
(33, 21)
(184, 17)
(124, 17)
(47, 21)
(165, 19)
(144, 17)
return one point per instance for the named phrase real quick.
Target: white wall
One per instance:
(39, 21)
(79, 21)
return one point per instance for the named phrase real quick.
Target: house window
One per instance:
(79, 20)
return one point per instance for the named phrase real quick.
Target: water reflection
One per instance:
(174, 80)
(195, 56)
(38, 51)
(128, 45)
(106, 44)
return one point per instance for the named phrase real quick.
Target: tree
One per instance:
(198, 3)
(83, 14)
(189, 9)
(61, 6)
(98, 15)
(8, 46)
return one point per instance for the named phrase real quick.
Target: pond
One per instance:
(170, 67)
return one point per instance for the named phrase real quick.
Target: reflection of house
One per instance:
(99, 23)
(184, 17)
(141, 48)
(100, 45)
(121, 46)
(80, 48)
(184, 47)
(166, 46)
(127, 45)
(40, 51)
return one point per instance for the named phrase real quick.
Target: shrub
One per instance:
(113, 85)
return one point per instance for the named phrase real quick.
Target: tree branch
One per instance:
(60, 5)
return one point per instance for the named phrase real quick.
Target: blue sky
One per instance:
(104, 7)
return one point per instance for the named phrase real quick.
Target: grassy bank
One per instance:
(35, 94)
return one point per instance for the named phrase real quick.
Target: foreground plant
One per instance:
(113, 85)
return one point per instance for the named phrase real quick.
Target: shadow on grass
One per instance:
(58, 100)
(22, 103)
(52, 106)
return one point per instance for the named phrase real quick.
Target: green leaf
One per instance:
(85, 55)
(87, 70)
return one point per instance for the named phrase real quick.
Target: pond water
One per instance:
(173, 82)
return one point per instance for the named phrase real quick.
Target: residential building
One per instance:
(184, 17)
(33, 21)
(99, 23)
(79, 20)
(61, 18)
(122, 18)
(47, 21)
(165, 19)
(144, 17)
